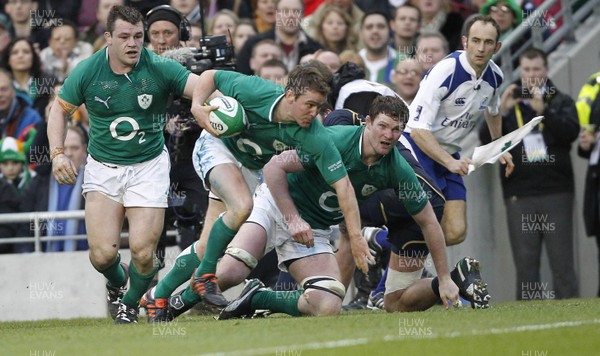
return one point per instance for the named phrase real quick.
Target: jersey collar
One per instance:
(136, 63)
(464, 62)
(272, 110)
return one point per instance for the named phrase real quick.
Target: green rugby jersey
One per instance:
(317, 202)
(127, 111)
(262, 138)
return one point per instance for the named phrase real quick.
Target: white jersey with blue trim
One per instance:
(451, 100)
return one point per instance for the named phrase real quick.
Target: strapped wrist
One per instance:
(55, 151)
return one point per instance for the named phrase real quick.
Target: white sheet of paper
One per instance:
(492, 151)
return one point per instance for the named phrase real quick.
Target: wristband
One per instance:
(56, 151)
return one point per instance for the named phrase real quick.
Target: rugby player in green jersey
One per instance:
(125, 88)
(295, 213)
(278, 119)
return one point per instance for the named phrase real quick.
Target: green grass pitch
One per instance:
(534, 328)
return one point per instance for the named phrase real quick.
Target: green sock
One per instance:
(181, 272)
(115, 273)
(189, 297)
(220, 236)
(138, 285)
(277, 301)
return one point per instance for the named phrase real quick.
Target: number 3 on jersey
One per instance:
(134, 132)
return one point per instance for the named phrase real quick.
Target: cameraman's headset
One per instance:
(184, 25)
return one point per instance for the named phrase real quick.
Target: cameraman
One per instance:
(538, 195)
(166, 29)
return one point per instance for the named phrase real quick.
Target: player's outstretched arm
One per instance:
(349, 206)
(203, 87)
(63, 170)
(434, 237)
(190, 85)
(275, 172)
(428, 144)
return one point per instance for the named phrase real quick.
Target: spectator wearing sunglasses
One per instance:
(506, 13)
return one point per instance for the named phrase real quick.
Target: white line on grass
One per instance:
(297, 349)
(495, 331)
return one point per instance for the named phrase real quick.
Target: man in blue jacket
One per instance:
(17, 117)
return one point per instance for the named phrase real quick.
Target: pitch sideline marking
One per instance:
(292, 349)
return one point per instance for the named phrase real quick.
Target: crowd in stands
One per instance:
(394, 42)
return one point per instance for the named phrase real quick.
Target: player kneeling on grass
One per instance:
(298, 214)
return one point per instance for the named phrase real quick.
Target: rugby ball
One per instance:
(230, 118)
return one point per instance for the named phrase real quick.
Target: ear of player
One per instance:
(230, 118)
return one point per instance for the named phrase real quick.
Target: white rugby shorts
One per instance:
(209, 152)
(266, 214)
(144, 184)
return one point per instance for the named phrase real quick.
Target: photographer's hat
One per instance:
(168, 13)
(164, 15)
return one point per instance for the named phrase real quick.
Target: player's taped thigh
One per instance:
(396, 280)
(326, 284)
(243, 256)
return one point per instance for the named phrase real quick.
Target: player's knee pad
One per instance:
(396, 280)
(326, 284)
(243, 256)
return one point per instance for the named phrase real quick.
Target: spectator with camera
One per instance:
(539, 193)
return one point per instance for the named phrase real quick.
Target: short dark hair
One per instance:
(304, 78)
(273, 62)
(322, 68)
(66, 23)
(410, 6)
(434, 34)
(391, 106)
(80, 130)
(125, 13)
(375, 12)
(484, 19)
(533, 52)
(266, 41)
